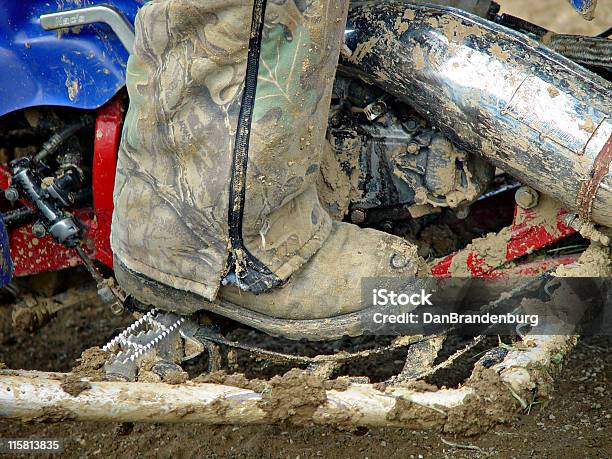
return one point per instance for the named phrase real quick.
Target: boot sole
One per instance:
(151, 292)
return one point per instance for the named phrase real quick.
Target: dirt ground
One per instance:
(576, 422)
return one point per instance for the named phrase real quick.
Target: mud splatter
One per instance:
(91, 363)
(595, 261)
(552, 91)
(418, 57)
(546, 215)
(400, 25)
(234, 379)
(337, 183)
(75, 387)
(295, 396)
(588, 125)
(364, 49)
(499, 52)
(72, 85)
(491, 249)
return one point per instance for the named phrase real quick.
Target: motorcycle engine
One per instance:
(388, 163)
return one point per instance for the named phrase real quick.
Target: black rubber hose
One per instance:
(57, 139)
(18, 217)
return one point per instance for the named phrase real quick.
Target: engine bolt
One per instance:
(358, 216)
(410, 125)
(38, 229)
(375, 110)
(413, 147)
(11, 194)
(526, 197)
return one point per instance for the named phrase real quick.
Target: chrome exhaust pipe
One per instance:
(532, 112)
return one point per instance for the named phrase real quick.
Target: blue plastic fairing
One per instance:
(80, 67)
(6, 264)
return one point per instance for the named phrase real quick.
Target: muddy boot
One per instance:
(216, 205)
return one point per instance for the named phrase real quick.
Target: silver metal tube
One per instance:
(530, 111)
(89, 15)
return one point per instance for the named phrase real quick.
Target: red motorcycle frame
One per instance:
(32, 255)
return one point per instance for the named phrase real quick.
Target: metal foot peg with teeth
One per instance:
(161, 337)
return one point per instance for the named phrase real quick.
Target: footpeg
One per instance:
(156, 336)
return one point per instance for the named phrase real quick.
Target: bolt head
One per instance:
(413, 147)
(39, 230)
(526, 197)
(410, 125)
(358, 216)
(11, 194)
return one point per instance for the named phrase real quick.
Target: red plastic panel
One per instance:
(531, 230)
(106, 145)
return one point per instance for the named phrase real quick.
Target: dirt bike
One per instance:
(487, 152)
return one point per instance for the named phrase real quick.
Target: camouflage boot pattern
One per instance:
(216, 180)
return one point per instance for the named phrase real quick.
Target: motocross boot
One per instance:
(216, 205)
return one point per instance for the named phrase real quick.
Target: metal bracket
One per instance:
(90, 15)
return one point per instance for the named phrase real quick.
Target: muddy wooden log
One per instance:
(39, 396)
